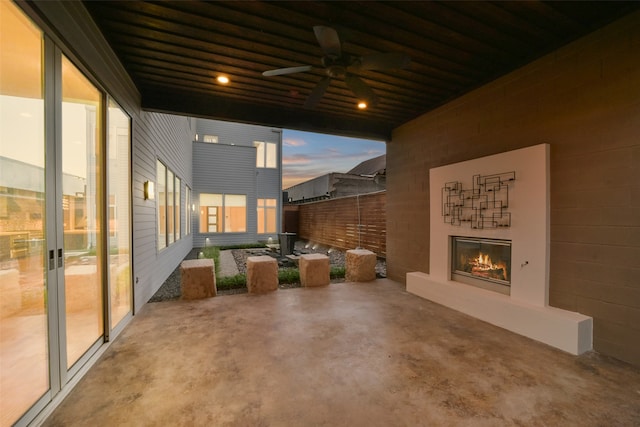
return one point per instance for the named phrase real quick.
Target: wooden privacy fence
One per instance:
(347, 222)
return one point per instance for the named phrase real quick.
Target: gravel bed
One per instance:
(336, 256)
(170, 289)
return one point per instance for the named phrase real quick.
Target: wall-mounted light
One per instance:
(149, 190)
(362, 105)
(223, 80)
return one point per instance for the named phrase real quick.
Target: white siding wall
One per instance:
(167, 138)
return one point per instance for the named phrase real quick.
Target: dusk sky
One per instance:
(306, 155)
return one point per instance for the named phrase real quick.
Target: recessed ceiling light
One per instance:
(362, 105)
(223, 80)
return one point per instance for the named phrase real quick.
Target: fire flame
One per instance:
(483, 264)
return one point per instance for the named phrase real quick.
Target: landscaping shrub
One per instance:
(289, 275)
(213, 252)
(337, 272)
(231, 282)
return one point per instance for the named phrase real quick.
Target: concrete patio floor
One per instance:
(350, 354)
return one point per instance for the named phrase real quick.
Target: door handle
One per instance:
(60, 257)
(52, 261)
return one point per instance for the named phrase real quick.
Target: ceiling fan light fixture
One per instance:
(222, 79)
(338, 64)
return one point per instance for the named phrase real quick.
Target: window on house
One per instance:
(187, 211)
(162, 204)
(266, 216)
(169, 206)
(266, 154)
(210, 138)
(178, 208)
(223, 213)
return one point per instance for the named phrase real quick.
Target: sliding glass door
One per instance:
(81, 211)
(119, 213)
(24, 350)
(65, 220)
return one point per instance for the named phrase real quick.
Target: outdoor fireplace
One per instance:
(481, 262)
(515, 266)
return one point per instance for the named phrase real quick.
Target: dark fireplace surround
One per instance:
(481, 262)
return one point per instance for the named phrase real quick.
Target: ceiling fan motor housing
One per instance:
(336, 66)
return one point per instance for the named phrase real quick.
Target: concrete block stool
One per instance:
(262, 274)
(314, 270)
(198, 279)
(360, 265)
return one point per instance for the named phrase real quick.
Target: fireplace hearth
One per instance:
(485, 263)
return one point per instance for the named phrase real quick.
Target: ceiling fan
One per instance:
(339, 64)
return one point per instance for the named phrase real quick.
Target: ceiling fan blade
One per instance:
(383, 61)
(328, 39)
(289, 70)
(360, 89)
(317, 93)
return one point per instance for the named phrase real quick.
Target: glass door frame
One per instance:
(61, 379)
(65, 372)
(113, 331)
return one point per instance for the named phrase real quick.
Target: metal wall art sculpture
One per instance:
(483, 206)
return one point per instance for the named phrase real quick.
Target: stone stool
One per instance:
(360, 265)
(314, 270)
(262, 274)
(198, 279)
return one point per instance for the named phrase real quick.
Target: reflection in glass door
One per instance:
(81, 207)
(118, 140)
(24, 373)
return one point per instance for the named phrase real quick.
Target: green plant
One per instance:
(289, 275)
(337, 272)
(213, 252)
(231, 282)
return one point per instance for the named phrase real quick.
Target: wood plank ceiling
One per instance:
(174, 51)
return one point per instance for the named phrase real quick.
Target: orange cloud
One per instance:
(296, 159)
(290, 142)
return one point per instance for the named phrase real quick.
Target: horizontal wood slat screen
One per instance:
(335, 222)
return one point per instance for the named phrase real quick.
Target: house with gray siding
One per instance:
(237, 181)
